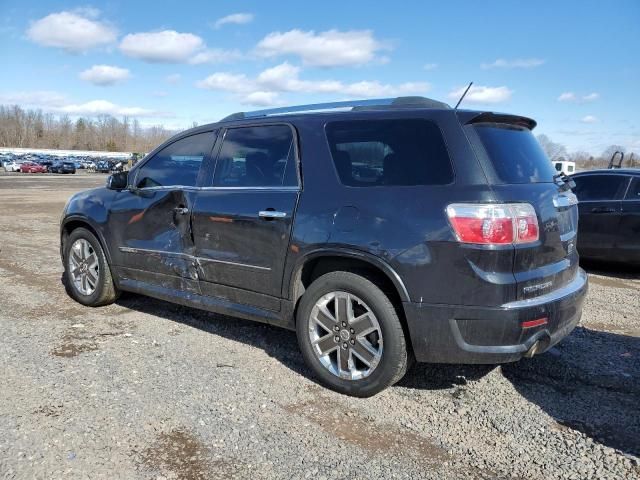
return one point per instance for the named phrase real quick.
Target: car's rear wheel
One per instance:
(350, 334)
(87, 274)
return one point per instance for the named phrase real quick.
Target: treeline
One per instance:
(36, 129)
(587, 161)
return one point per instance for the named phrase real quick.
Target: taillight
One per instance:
(494, 224)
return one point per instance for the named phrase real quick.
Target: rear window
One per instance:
(389, 152)
(515, 154)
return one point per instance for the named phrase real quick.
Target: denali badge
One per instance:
(537, 287)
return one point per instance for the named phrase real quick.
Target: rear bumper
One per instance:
(473, 334)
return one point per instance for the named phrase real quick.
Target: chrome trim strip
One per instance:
(192, 188)
(186, 255)
(236, 264)
(271, 214)
(580, 281)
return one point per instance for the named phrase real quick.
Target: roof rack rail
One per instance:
(350, 105)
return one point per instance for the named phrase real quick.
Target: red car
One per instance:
(31, 167)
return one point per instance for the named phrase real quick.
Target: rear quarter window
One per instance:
(400, 152)
(514, 153)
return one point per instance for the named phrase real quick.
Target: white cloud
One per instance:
(56, 102)
(173, 78)
(430, 66)
(34, 99)
(214, 55)
(567, 97)
(104, 75)
(286, 78)
(74, 32)
(104, 107)
(167, 46)
(261, 99)
(228, 82)
(572, 97)
(325, 49)
(482, 94)
(234, 18)
(515, 63)
(589, 119)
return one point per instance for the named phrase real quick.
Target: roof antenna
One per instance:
(463, 95)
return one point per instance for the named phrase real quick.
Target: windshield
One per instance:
(515, 153)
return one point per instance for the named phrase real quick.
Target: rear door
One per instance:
(628, 243)
(519, 171)
(600, 196)
(242, 217)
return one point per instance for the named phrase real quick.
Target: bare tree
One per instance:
(553, 150)
(35, 129)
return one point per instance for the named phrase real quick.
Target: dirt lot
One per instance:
(145, 389)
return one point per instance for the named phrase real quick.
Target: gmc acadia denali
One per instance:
(382, 231)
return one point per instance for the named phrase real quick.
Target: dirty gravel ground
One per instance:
(145, 389)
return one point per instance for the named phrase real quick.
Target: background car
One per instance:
(63, 167)
(609, 209)
(32, 167)
(12, 166)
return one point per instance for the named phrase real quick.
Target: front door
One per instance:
(242, 220)
(150, 222)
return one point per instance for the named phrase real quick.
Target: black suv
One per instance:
(381, 231)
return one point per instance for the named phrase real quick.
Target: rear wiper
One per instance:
(567, 181)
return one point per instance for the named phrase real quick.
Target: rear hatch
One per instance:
(519, 171)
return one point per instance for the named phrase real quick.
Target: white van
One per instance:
(565, 167)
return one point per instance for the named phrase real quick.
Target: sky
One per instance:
(573, 66)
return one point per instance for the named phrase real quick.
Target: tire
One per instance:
(104, 291)
(387, 341)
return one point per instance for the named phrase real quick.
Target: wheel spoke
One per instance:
(92, 278)
(85, 250)
(343, 360)
(341, 308)
(75, 257)
(84, 281)
(363, 325)
(364, 352)
(325, 319)
(92, 260)
(326, 344)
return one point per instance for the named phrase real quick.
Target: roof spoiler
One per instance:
(469, 118)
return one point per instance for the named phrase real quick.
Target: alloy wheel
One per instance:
(345, 335)
(84, 267)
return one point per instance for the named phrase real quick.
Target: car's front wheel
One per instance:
(350, 334)
(88, 277)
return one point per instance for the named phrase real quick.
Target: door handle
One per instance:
(181, 210)
(603, 210)
(270, 214)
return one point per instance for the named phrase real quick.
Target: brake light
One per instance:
(494, 224)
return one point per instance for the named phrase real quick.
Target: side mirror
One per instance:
(118, 181)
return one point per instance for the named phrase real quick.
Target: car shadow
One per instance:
(282, 344)
(590, 382)
(609, 269)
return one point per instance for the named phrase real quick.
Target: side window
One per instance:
(257, 157)
(599, 187)
(389, 152)
(634, 190)
(176, 164)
